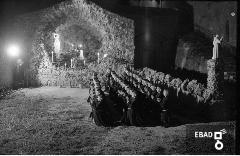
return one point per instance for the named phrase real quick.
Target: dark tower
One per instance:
(156, 30)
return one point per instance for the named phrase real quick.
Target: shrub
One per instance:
(191, 86)
(199, 90)
(184, 85)
(168, 78)
(176, 83)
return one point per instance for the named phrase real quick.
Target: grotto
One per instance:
(117, 77)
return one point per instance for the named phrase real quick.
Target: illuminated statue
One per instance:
(71, 62)
(81, 55)
(52, 56)
(56, 43)
(65, 65)
(216, 41)
(98, 58)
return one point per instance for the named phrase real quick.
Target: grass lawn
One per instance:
(53, 120)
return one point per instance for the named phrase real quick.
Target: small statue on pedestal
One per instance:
(65, 65)
(56, 43)
(81, 55)
(71, 62)
(216, 41)
(52, 56)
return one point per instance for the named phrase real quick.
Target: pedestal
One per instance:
(215, 85)
(215, 80)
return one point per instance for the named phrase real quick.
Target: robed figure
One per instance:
(81, 55)
(56, 43)
(216, 41)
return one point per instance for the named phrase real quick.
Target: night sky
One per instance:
(11, 8)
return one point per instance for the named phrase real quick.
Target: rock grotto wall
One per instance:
(50, 75)
(116, 33)
(76, 34)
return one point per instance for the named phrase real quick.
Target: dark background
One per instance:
(10, 8)
(156, 31)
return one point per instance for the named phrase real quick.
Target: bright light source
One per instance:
(233, 13)
(13, 51)
(105, 55)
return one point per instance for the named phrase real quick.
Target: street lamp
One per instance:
(13, 50)
(233, 14)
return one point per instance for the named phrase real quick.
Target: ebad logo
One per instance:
(217, 136)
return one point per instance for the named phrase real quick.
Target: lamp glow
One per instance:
(13, 51)
(105, 55)
(233, 13)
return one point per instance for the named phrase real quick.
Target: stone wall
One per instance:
(213, 17)
(210, 18)
(116, 32)
(195, 49)
(215, 78)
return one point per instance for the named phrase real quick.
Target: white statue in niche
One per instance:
(56, 43)
(216, 41)
(81, 55)
(71, 62)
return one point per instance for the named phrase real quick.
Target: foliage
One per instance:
(168, 79)
(184, 85)
(176, 82)
(114, 36)
(197, 90)
(161, 77)
(191, 86)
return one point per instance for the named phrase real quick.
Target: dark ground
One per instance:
(52, 120)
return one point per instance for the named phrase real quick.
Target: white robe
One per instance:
(81, 55)
(56, 44)
(216, 41)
